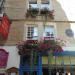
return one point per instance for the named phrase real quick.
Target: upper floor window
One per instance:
(45, 5)
(44, 1)
(33, 4)
(49, 31)
(32, 33)
(32, 1)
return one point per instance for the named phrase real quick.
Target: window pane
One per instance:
(45, 1)
(1, 5)
(49, 31)
(35, 31)
(45, 60)
(32, 32)
(72, 60)
(32, 1)
(0, 2)
(66, 60)
(53, 60)
(59, 60)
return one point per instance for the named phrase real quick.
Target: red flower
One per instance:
(45, 45)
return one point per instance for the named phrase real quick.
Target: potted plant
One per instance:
(51, 14)
(33, 12)
(44, 11)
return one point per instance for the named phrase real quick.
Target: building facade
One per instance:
(35, 20)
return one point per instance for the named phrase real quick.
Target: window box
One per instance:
(44, 11)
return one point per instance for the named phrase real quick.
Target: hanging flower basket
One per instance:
(25, 47)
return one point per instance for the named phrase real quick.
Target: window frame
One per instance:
(27, 32)
(48, 2)
(32, 2)
(44, 35)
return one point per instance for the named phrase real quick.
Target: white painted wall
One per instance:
(14, 57)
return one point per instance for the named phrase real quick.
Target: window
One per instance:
(1, 6)
(33, 4)
(46, 5)
(32, 1)
(44, 1)
(66, 60)
(49, 31)
(13, 73)
(32, 33)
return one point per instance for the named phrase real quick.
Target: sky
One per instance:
(69, 8)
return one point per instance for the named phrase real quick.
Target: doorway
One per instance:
(45, 71)
(57, 71)
(28, 73)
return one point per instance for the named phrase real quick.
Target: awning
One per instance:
(65, 53)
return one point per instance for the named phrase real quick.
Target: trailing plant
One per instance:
(44, 11)
(25, 47)
(33, 12)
